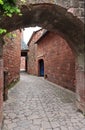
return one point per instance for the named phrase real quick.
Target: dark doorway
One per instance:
(41, 67)
(23, 66)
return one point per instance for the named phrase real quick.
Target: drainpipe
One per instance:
(5, 89)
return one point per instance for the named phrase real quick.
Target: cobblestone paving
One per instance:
(36, 104)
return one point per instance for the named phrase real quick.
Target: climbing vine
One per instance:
(8, 8)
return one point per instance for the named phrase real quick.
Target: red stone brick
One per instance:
(11, 56)
(59, 60)
(1, 90)
(22, 65)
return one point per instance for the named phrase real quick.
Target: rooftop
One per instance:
(24, 46)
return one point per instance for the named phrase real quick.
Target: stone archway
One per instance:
(54, 18)
(51, 17)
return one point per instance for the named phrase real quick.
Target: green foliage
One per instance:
(11, 35)
(8, 8)
(2, 31)
(1, 2)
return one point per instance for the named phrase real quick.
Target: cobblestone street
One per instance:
(36, 104)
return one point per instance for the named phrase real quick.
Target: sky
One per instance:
(27, 33)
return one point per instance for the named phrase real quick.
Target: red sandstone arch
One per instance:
(51, 17)
(55, 18)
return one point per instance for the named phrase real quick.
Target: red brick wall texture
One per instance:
(11, 62)
(11, 55)
(59, 60)
(22, 64)
(1, 90)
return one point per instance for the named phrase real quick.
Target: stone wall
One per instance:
(76, 7)
(22, 65)
(1, 91)
(11, 56)
(10, 61)
(32, 54)
(59, 61)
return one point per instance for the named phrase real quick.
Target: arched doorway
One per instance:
(41, 67)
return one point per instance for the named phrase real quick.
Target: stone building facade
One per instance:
(11, 56)
(11, 63)
(1, 94)
(24, 55)
(58, 58)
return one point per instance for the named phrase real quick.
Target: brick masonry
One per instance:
(75, 6)
(10, 62)
(11, 56)
(1, 91)
(59, 60)
(22, 65)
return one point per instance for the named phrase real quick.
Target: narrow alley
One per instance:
(37, 104)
